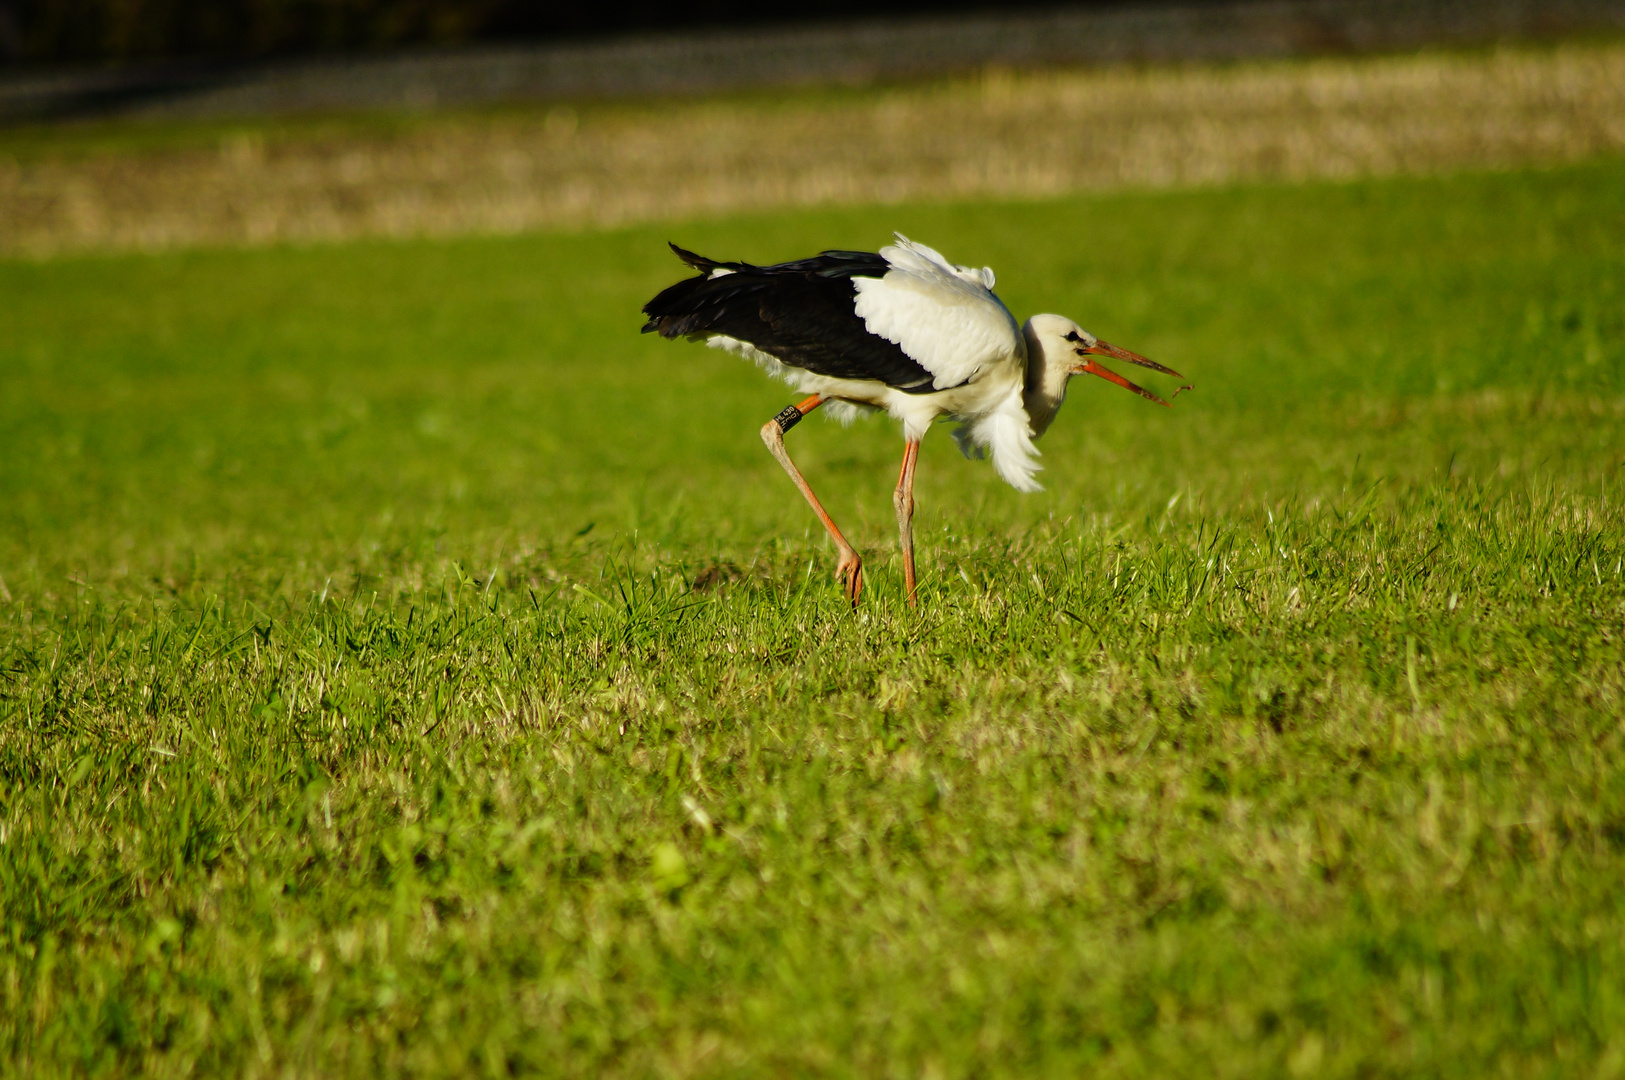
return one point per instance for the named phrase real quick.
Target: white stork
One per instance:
(905, 331)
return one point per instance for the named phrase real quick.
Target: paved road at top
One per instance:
(857, 53)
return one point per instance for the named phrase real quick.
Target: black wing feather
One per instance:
(800, 313)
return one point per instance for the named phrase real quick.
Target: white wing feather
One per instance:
(944, 317)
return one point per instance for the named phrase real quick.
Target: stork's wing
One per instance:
(944, 317)
(800, 313)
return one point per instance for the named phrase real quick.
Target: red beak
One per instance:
(1101, 348)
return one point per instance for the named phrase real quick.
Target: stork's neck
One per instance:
(1045, 387)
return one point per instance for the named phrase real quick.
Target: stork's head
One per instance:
(1059, 348)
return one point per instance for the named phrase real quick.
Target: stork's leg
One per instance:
(849, 569)
(903, 500)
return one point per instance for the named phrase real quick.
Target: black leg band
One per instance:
(788, 418)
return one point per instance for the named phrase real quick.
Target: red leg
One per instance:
(849, 569)
(903, 500)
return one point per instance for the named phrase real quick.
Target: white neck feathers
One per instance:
(1045, 386)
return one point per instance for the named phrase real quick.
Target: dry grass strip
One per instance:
(1003, 134)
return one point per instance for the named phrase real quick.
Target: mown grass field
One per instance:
(359, 714)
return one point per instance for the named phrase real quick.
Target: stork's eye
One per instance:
(1072, 335)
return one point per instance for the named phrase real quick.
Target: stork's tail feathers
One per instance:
(709, 267)
(677, 310)
(698, 262)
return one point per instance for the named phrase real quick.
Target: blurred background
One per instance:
(153, 124)
(57, 31)
(52, 31)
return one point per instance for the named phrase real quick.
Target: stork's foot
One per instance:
(849, 572)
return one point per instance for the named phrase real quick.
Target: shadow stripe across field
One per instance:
(857, 53)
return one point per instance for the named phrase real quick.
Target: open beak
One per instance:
(1101, 348)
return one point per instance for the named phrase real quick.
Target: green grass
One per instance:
(358, 715)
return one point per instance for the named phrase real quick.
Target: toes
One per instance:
(849, 572)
